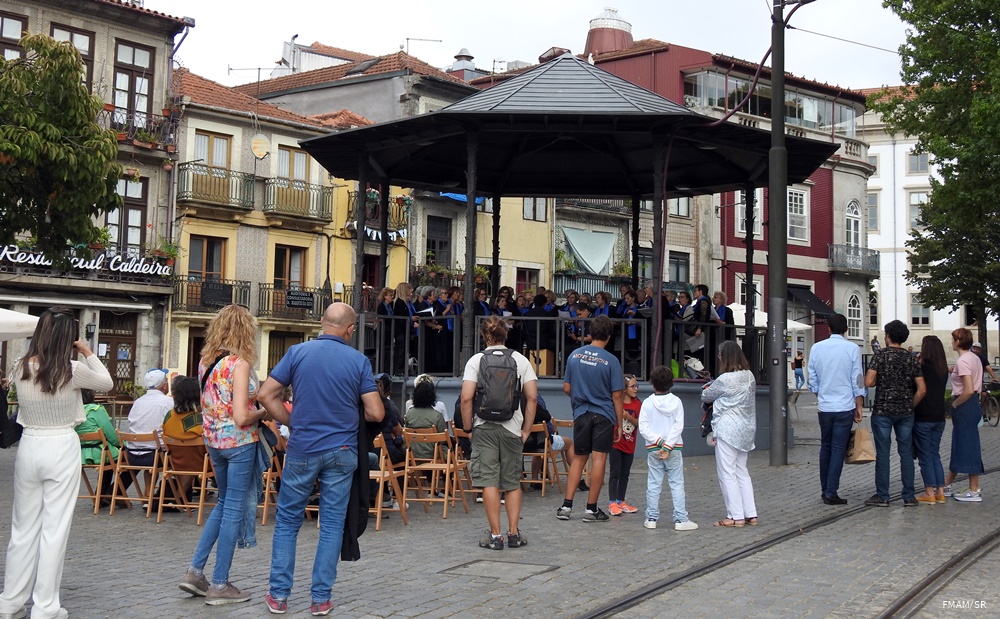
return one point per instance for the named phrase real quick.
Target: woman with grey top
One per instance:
(734, 423)
(47, 465)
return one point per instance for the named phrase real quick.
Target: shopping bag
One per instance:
(860, 447)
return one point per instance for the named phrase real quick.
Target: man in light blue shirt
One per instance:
(835, 377)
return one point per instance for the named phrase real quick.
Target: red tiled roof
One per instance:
(905, 91)
(133, 7)
(206, 92)
(338, 52)
(642, 46)
(344, 119)
(399, 61)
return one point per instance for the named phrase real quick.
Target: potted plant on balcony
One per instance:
(167, 164)
(481, 273)
(132, 174)
(621, 272)
(143, 139)
(565, 263)
(165, 251)
(103, 239)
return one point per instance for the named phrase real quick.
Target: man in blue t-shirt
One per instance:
(330, 380)
(595, 385)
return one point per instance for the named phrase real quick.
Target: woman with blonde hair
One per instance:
(734, 423)
(966, 452)
(47, 465)
(229, 423)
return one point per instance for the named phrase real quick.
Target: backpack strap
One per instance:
(208, 372)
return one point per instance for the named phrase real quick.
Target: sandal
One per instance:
(752, 521)
(729, 522)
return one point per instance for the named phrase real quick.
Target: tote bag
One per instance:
(860, 447)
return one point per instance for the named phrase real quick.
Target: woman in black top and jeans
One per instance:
(928, 420)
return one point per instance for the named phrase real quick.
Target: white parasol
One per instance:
(760, 319)
(15, 325)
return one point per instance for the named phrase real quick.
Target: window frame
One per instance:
(7, 43)
(129, 203)
(758, 208)
(920, 314)
(135, 72)
(285, 280)
(917, 163)
(674, 208)
(212, 136)
(855, 317)
(873, 309)
(805, 216)
(289, 174)
(526, 279)
(674, 263)
(758, 287)
(202, 274)
(533, 204)
(869, 207)
(914, 221)
(438, 243)
(88, 58)
(852, 224)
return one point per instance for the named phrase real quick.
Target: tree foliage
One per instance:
(58, 167)
(949, 102)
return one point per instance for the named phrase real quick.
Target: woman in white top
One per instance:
(47, 465)
(734, 423)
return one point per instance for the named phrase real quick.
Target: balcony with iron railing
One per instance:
(284, 197)
(399, 211)
(139, 128)
(192, 294)
(605, 205)
(197, 182)
(854, 260)
(295, 303)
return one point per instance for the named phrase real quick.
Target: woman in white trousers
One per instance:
(47, 465)
(734, 423)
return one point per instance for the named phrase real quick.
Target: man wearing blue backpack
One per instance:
(492, 388)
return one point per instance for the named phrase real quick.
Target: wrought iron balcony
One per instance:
(197, 182)
(283, 196)
(398, 213)
(605, 205)
(855, 260)
(297, 303)
(140, 126)
(191, 294)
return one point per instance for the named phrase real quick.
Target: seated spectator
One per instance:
(536, 443)
(147, 416)
(438, 404)
(90, 453)
(424, 415)
(183, 422)
(391, 425)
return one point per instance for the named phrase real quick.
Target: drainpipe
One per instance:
(895, 215)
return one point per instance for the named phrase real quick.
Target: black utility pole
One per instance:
(777, 246)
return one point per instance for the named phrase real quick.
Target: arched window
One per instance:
(852, 228)
(854, 317)
(873, 309)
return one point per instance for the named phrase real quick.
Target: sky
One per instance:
(233, 38)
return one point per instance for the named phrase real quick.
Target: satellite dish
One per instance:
(260, 146)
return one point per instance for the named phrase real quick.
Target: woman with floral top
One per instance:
(734, 423)
(229, 422)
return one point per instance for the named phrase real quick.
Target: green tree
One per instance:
(58, 168)
(948, 101)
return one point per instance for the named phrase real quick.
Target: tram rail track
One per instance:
(912, 598)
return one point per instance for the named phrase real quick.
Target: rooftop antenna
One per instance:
(408, 39)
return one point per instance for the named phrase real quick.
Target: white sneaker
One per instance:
(970, 496)
(651, 524)
(948, 491)
(687, 525)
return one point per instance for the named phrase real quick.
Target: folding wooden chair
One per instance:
(462, 481)
(105, 466)
(550, 471)
(389, 473)
(272, 476)
(171, 475)
(150, 473)
(440, 464)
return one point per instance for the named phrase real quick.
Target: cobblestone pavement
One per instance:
(127, 566)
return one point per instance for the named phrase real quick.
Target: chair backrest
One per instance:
(97, 439)
(144, 437)
(170, 443)
(429, 437)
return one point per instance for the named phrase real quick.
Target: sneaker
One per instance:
(321, 609)
(479, 499)
(615, 509)
(227, 595)
(491, 542)
(649, 524)
(582, 486)
(627, 509)
(20, 613)
(926, 500)
(970, 496)
(948, 492)
(195, 585)
(687, 525)
(595, 516)
(516, 540)
(910, 503)
(276, 606)
(563, 512)
(876, 501)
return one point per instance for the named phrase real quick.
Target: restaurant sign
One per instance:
(12, 254)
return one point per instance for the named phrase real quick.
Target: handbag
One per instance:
(860, 447)
(10, 430)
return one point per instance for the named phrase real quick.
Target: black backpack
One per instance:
(498, 387)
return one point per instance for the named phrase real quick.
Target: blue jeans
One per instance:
(835, 431)
(927, 436)
(882, 428)
(674, 469)
(800, 378)
(335, 471)
(233, 469)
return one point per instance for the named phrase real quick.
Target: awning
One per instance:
(592, 249)
(802, 294)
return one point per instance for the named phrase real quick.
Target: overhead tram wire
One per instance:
(830, 36)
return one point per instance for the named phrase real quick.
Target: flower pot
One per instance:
(171, 148)
(122, 137)
(168, 167)
(109, 107)
(141, 144)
